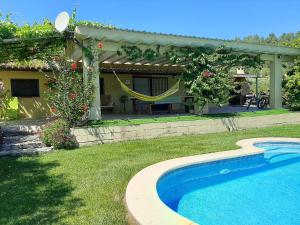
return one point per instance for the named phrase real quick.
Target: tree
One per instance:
(291, 84)
(293, 91)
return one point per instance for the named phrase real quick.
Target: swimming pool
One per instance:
(257, 189)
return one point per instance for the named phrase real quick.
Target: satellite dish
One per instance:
(62, 21)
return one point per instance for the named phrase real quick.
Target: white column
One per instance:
(95, 110)
(276, 83)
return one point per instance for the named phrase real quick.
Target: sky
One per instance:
(224, 19)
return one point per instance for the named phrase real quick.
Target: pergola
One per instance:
(113, 39)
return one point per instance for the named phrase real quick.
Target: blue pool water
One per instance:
(263, 189)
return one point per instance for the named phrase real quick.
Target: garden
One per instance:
(87, 185)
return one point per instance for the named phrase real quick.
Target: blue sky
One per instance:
(205, 18)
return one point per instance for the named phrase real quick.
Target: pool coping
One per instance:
(143, 203)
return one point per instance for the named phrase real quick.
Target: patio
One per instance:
(131, 72)
(212, 110)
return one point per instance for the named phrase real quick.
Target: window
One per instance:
(25, 88)
(101, 86)
(159, 85)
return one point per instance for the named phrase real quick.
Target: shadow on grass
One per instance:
(30, 195)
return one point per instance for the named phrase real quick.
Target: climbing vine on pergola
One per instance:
(37, 41)
(205, 69)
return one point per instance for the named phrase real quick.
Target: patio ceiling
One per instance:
(113, 39)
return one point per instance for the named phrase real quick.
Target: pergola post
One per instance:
(276, 82)
(88, 65)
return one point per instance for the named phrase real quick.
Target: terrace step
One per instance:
(19, 130)
(21, 140)
(19, 152)
(21, 145)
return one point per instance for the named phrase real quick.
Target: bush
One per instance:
(69, 96)
(292, 87)
(58, 135)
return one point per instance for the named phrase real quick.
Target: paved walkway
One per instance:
(212, 110)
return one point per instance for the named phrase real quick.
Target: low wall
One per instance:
(100, 135)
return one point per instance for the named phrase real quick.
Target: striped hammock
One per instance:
(147, 98)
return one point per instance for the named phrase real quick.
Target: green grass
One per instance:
(86, 186)
(162, 119)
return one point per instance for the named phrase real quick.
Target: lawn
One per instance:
(87, 186)
(162, 119)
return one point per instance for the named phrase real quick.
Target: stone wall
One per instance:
(100, 135)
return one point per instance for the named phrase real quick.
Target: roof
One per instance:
(35, 65)
(151, 38)
(247, 75)
(31, 65)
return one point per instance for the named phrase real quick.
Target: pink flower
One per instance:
(72, 96)
(85, 108)
(100, 45)
(207, 74)
(54, 110)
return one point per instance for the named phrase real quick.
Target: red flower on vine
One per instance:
(72, 96)
(54, 110)
(85, 108)
(100, 45)
(207, 74)
(74, 66)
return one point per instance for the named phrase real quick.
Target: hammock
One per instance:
(147, 98)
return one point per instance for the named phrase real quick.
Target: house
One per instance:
(144, 76)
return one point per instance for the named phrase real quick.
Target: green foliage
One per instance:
(37, 41)
(286, 39)
(214, 61)
(57, 134)
(293, 91)
(27, 42)
(36, 30)
(206, 72)
(134, 53)
(70, 97)
(87, 186)
(74, 22)
(7, 29)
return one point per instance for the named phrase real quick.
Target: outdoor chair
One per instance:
(107, 103)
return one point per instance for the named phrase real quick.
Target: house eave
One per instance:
(149, 38)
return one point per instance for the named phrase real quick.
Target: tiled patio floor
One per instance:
(212, 110)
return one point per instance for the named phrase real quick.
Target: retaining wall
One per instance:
(100, 135)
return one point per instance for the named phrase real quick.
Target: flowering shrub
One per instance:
(69, 94)
(211, 88)
(57, 134)
(292, 87)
